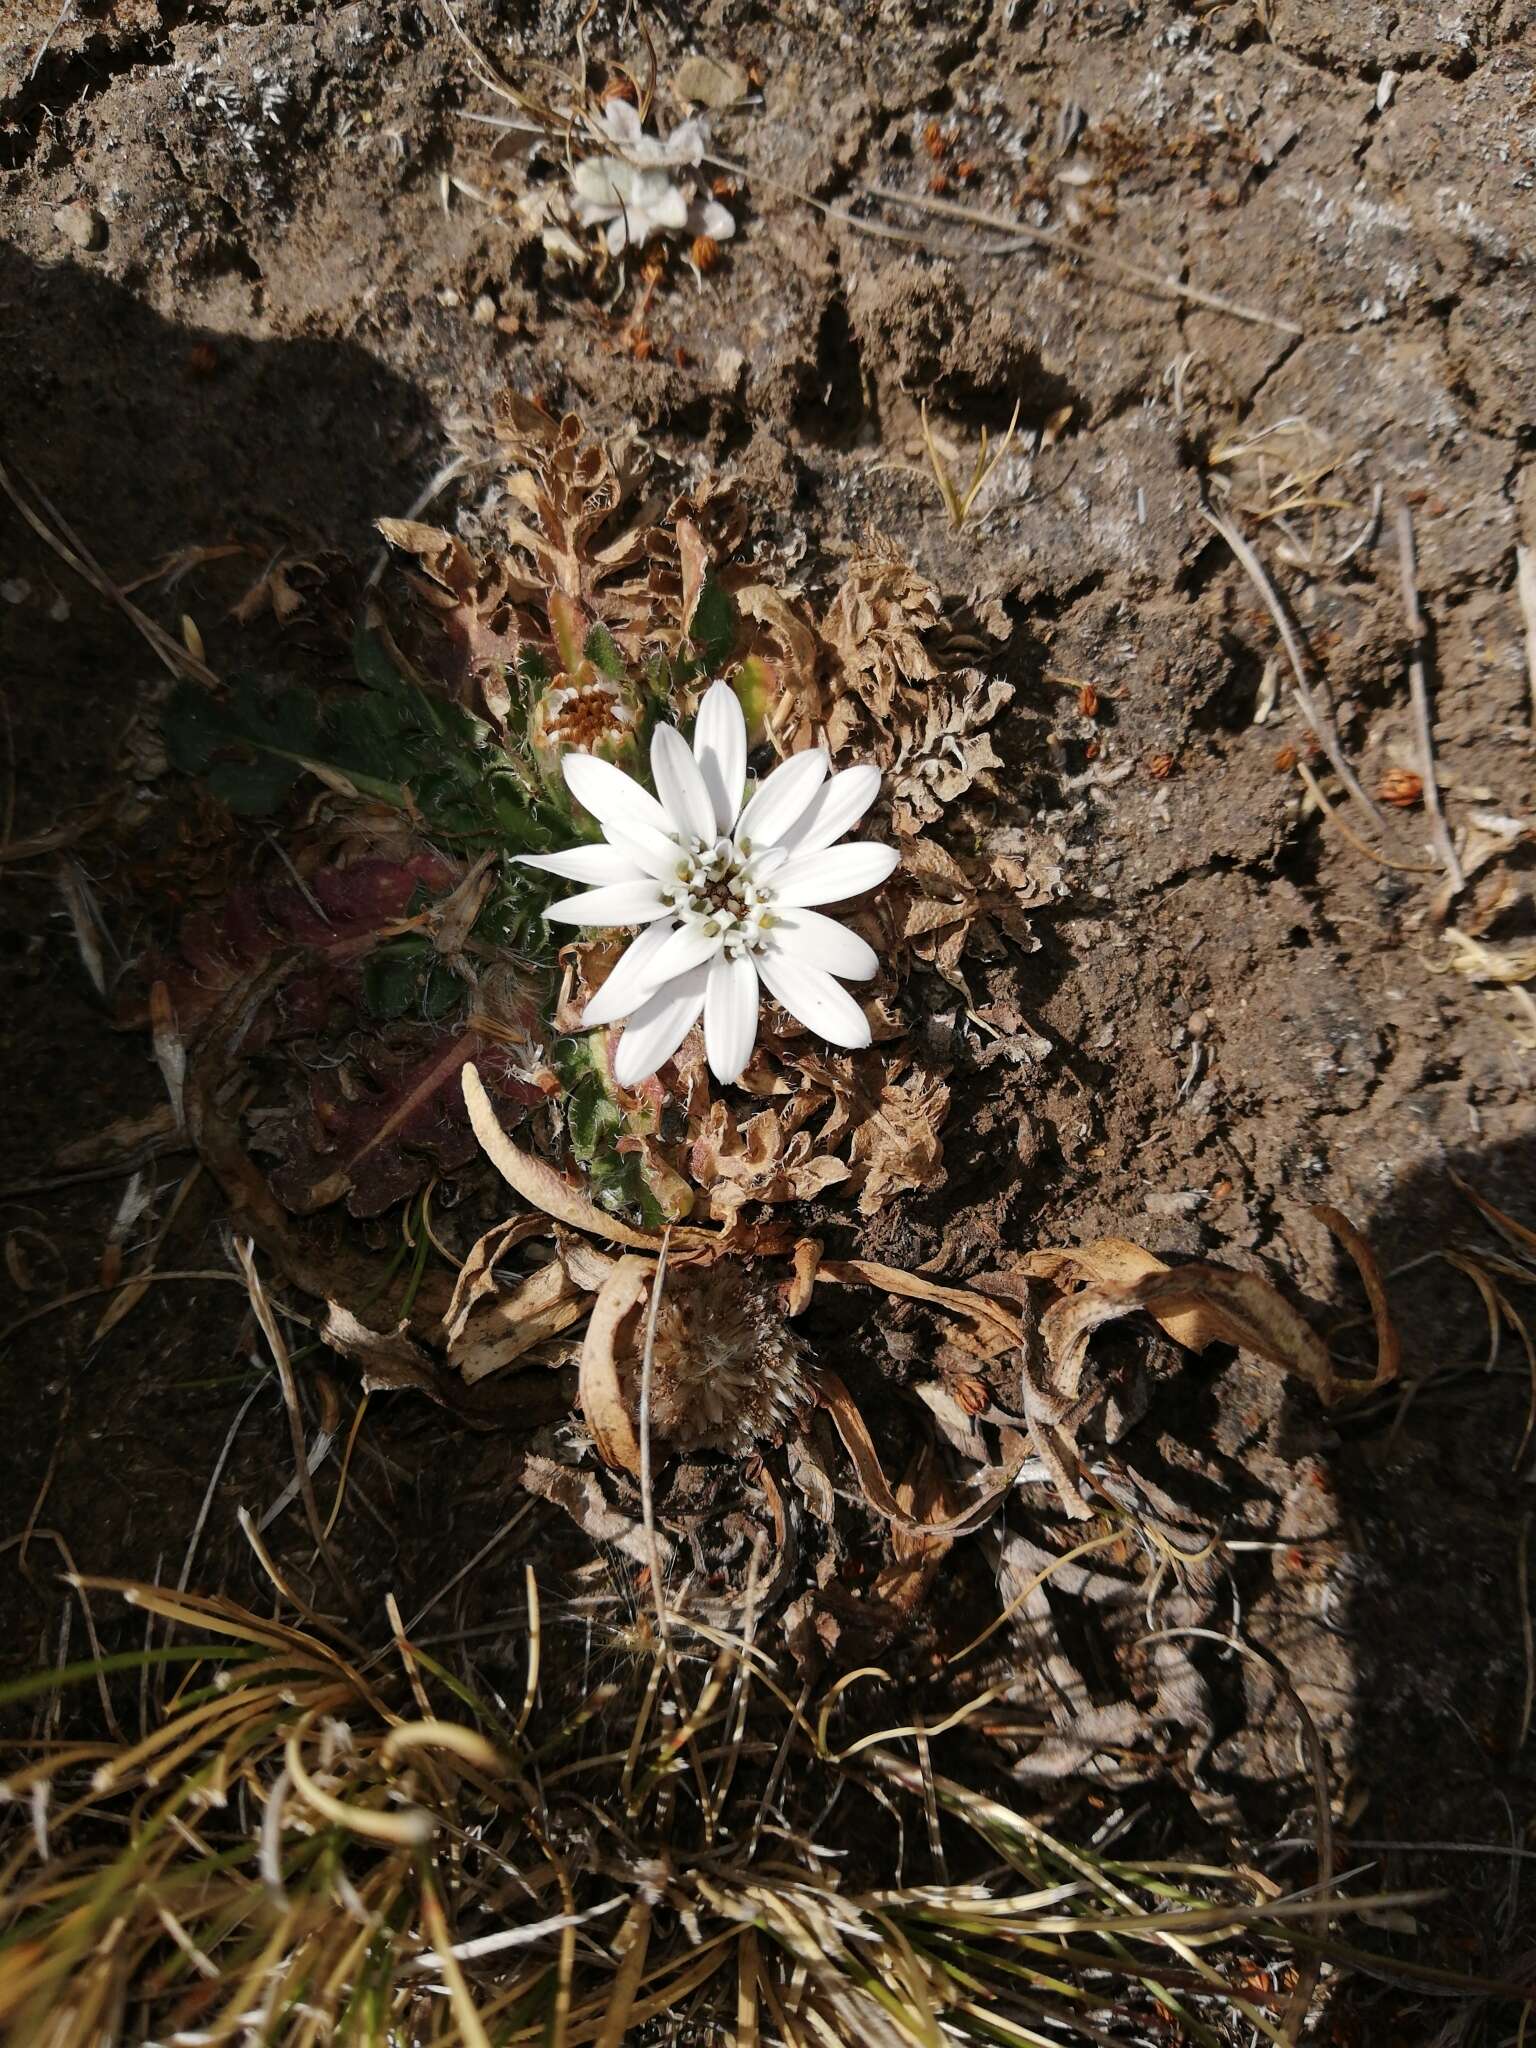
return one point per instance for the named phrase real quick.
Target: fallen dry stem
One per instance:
(1302, 689)
(73, 552)
(1314, 789)
(1525, 584)
(1418, 691)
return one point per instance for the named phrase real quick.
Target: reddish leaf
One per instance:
(376, 1128)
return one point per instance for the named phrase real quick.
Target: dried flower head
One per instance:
(582, 712)
(728, 1371)
(1402, 787)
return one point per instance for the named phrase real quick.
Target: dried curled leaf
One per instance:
(759, 1162)
(946, 908)
(1196, 1305)
(606, 1400)
(537, 1181)
(876, 629)
(943, 749)
(898, 1149)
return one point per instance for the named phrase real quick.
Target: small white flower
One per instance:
(631, 192)
(725, 890)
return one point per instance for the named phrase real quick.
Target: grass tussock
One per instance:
(613, 1828)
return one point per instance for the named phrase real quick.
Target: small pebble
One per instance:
(81, 224)
(484, 312)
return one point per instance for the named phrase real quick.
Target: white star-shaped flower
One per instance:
(631, 195)
(725, 889)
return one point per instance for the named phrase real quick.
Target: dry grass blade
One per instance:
(337, 1854)
(957, 503)
(1418, 690)
(261, 1308)
(72, 551)
(1314, 789)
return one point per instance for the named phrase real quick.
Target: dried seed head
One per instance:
(620, 87)
(1088, 701)
(704, 252)
(1286, 760)
(935, 141)
(1160, 766)
(1402, 787)
(729, 1371)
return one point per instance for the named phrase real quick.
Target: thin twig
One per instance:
(647, 1502)
(42, 49)
(1525, 584)
(1523, 1575)
(1022, 233)
(1418, 690)
(262, 1309)
(1310, 710)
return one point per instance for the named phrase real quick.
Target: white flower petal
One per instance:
(595, 182)
(730, 1016)
(620, 903)
(817, 941)
(834, 873)
(821, 1004)
(669, 209)
(720, 748)
(687, 142)
(712, 219)
(775, 807)
(835, 808)
(690, 946)
(587, 864)
(658, 1028)
(680, 785)
(622, 120)
(612, 796)
(632, 980)
(653, 853)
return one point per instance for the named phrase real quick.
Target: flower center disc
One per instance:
(718, 885)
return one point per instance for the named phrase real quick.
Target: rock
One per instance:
(82, 224)
(709, 82)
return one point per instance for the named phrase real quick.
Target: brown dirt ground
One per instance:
(276, 342)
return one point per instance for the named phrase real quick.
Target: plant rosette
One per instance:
(725, 886)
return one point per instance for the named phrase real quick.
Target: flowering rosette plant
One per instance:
(726, 887)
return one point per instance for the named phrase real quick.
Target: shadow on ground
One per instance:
(149, 438)
(1435, 1483)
